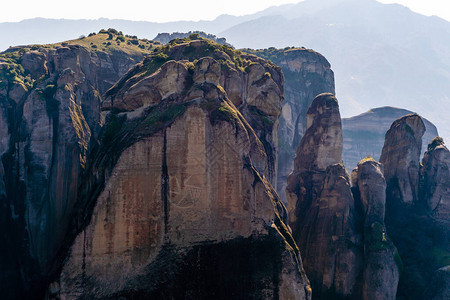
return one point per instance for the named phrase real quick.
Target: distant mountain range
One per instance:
(382, 54)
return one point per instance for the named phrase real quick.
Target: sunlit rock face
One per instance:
(179, 186)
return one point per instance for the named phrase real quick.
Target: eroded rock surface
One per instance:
(307, 74)
(382, 264)
(435, 185)
(340, 230)
(422, 237)
(401, 158)
(49, 110)
(322, 211)
(179, 188)
(320, 147)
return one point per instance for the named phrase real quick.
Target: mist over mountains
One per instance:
(382, 54)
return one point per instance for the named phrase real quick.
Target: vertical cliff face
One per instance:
(435, 187)
(382, 264)
(416, 220)
(307, 74)
(320, 147)
(322, 211)
(49, 110)
(178, 188)
(401, 158)
(340, 230)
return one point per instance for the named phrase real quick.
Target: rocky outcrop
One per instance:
(400, 158)
(307, 74)
(382, 264)
(364, 134)
(340, 230)
(253, 85)
(176, 195)
(329, 238)
(421, 236)
(435, 187)
(49, 110)
(320, 147)
(321, 208)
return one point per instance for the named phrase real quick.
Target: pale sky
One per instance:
(166, 10)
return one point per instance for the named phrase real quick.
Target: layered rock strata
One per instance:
(177, 193)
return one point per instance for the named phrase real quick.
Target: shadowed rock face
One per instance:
(340, 230)
(307, 74)
(381, 260)
(176, 192)
(49, 110)
(322, 211)
(435, 178)
(320, 147)
(415, 220)
(329, 238)
(400, 157)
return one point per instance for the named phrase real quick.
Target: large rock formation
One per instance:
(176, 195)
(400, 158)
(307, 74)
(321, 208)
(364, 134)
(415, 219)
(346, 252)
(320, 147)
(382, 264)
(435, 187)
(49, 110)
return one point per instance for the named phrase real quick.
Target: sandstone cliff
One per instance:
(435, 187)
(382, 263)
(176, 201)
(49, 111)
(364, 133)
(400, 157)
(416, 198)
(321, 207)
(307, 74)
(340, 232)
